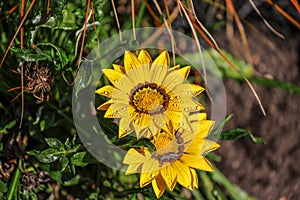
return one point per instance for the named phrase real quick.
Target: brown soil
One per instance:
(272, 170)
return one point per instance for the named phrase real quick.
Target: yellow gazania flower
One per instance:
(145, 94)
(178, 154)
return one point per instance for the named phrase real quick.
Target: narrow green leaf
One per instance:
(8, 126)
(238, 133)
(207, 185)
(277, 84)
(14, 185)
(235, 192)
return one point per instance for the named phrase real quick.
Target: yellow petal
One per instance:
(141, 122)
(187, 89)
(139, 74)
(203, 128)
(196, 117)
(159, 119)
(163, 59)
(194, 178)
(125, 85)
(130, 61)
(147, 177)
(133, 168)
(184, 71)
(119, 68)
(125, 127)
(169, 175)
(159, 186)
(196, 162)
(106, 91)
(172, 80)
(209, 146)
(134, 157)
(113, 75)
(144, 57)
(151, 165)
(159, 68)
(105, 105)
(117, 110)
(184, 176)
(174, 68)
(179, 120)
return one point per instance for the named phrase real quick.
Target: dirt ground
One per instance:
(267, 171)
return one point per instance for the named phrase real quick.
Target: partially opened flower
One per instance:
(145, 94)
(178, 153)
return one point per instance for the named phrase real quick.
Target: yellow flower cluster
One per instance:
(154, 101)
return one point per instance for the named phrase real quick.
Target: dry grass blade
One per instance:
(265, 21)
(240, 26)
(167, 25)
(117, 20)
(296, 5)
(16, 33)
(84, 31)
(94, 21)
(212, 44)
(153, 15)
(133, 19)
(11, 11)
(285, 14)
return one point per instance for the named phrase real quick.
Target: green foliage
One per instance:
(66, 153)
(46, 141)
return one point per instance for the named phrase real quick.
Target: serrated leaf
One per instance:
(233, 134)
(78, 159)
(53, 142)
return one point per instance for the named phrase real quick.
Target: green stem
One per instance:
(141, 14)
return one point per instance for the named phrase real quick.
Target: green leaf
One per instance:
(63, 59)
(72, 181)
(277, 84)
(3, 187)
(93, 196)
(64, 161)
(234, 191)
(69, 20)
(30, 55)
(46, 156)
(8, 126)
(227, 70)
(207, 185)
(78, 159)
(15, 183)
(53, 142)
(238, 133)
